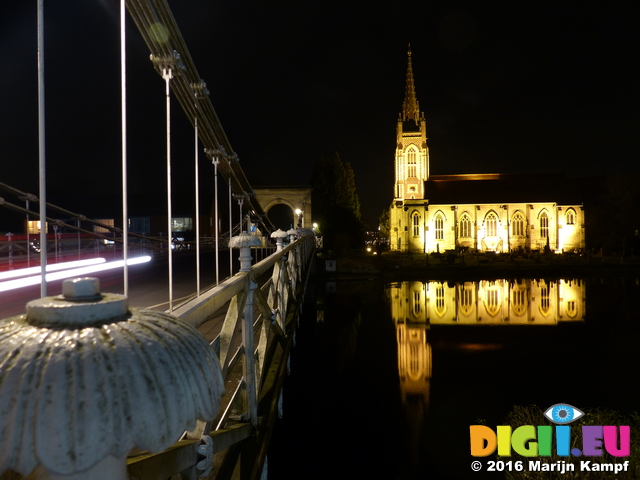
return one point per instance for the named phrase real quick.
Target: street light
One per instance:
(299, 213)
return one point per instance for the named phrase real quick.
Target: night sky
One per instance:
(506, 87)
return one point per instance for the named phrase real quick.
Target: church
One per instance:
(494, 212)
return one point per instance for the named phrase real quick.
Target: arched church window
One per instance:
(441, 307)
(416, 225)
(571, 217)
(492, 301)
(411, 163)
(545, 301)
(466, 298)
(517, 225)
(439, 224)
(416, 304)
(491, 225)
(465, 226)
(544, 225)
(519, 302)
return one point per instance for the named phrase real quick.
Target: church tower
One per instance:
(412, 153)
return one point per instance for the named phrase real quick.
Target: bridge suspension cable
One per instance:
(169, 50)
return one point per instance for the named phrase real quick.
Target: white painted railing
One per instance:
(262, 305)
(259, 319)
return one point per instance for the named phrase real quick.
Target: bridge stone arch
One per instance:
(296, 197)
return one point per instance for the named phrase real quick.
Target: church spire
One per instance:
(410, 107)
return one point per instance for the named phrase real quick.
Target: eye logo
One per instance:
(563, 413)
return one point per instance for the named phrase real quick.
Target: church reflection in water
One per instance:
(418, 306)
(415, 306)
(488, 302)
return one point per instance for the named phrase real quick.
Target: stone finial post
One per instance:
(292, 234)
(244, 242)
(84, 379)
(279, 235)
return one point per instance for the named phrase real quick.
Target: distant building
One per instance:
(483, 212)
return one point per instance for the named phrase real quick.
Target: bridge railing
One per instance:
(262, 306)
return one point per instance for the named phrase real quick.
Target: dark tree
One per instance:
(614, 222)
(336, 204)
(385, 224)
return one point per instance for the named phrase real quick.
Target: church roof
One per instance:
(499, 188)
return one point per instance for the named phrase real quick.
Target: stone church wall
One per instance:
(418, 228)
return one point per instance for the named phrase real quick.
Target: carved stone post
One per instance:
(84, 379)
(279, 235)
(244, 242)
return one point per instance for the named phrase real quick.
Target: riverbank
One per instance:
(394, 265)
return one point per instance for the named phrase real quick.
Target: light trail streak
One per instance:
(69, 273)
(53, 267)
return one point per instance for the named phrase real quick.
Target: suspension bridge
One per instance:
(94, 421)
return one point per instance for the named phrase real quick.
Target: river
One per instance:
(387, 380)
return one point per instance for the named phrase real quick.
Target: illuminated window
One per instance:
(411, 163)
(465, 226)
(414, 362)
(571, 217)
(519, 302)
(34, 227)
(572, 308)
(466, 298)
(493, 301)
(416, 303)
(416, 225)
(439, 227)
(545, 302)
(544, 225)
(181, 224)
(491, 225)
(440, 306)
(105, 221)
(517, 225)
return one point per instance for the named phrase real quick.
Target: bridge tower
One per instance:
(298, 198)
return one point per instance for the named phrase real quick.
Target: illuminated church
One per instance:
(478, 212)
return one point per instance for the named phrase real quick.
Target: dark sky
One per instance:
(506, 87)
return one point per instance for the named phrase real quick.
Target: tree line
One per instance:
(336, 204)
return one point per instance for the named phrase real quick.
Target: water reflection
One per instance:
(488, 302)
(414, 369)
(418, 306)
